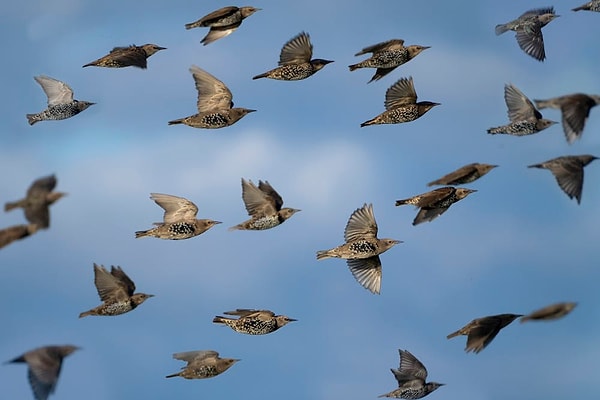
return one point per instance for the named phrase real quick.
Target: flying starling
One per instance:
(116, 292)
(528, 28)
(401, 104)
(362, 248)
(575, 109)
(179, 220)
(222, 22)
(295, 61)
(481, 331)
(44, 367)
(553, 311)
(16, 232)
(524, 118)
(254, 322)
(263, 204)
(202, 364)
(593, 5)
(36, 203)
(60, 101)
(568, 171)
(465, 174)
(121, 57)
(435, 203)
(387, 56)
(411, 377)
(215, 105)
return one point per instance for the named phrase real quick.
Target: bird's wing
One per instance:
(367, 272)
(537, 11)
(38, 214)
(217, 15)
(256, 201)
(58, 92)
(43, 373)
(271, 193)
(199, 355)
(212, 93)
(361, 225)
(520, 108)
(123, 280)
(482, 334)
(42, 186)
(297, 50)
(131, 55)
(428, 214)
(400, 93)
(410, 366)
(394, 44)
(107, 285)
(574, 115)
(217, 33)
(569, 176)
(531, 41)
(177, 209)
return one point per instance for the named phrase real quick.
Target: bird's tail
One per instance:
(173, 375)
(500, 29)
(176, 121)
(367, 123)
(11, 205)
(354, 66)
(535, 166)
(191, 25)
(139, 234)
(493, 131)
(450, 336)
(583, 7)
(322, 254)
(402, 202)
(85, 314)
(219, 320)
(20, 359)
(32, 118)
(542, 103)
(260, 76)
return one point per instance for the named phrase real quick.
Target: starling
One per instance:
(465, 174)
(387, 56)
(411, 377)
(60, 101)
(553, 311)
(401, 104)
(254, 322)
(481, 331)
(16, 232)
(116, 292)
(435, 203)
(295, 61)
(215, 105)
(44, 365)
(222, 22)
(524, 118)
(202, 364)
(528, 28)
(568, 171)
(575, 109)
(179, 220)
(362, 248)
(263, 204)
(37, 201)
(121, 57)
(593, 5)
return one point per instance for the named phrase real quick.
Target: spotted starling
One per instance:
(362, 248)
(411, 376)
(254, 322)
(593, 5)
(435, 203)
(179, 220)
(528, 28)
(295, 61)
(44, 365)
(222, 22)
(121, 57)
(465, 174)
(16, 232)
(202, 364)
(60, 101)
(524, 118)
(553, 311)
(568, 171)
(481, 331)
(215, 105)
(401, 104)
(387, 56)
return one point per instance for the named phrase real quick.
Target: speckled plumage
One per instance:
(202, 364)
(16, 232)
(593, 5)
(575, 109)
(551, 312)
(121, 57)
(411, 376)
(253, 322)
(436, 202)
(481, 331)
(222, 22)
(465, 174)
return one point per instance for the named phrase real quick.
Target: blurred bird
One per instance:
(553, 311)
(362, 248)
(411, 376)
(202, 364)
(44, 366)
(254, 322)
(435, 203)
(481, 331)
(528, 28)
(401, 104)
(593, 5)
(215, 105)
(116, 292)
(222, 22)
(16, 232)
(60, 101)
(179, 220)
(121, 57)
(263, 204)
(465, 174)
(568, 171)
(295, 61)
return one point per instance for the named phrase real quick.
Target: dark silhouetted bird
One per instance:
(411, 376)
(362, 248)
(481, 331)
(435, 203)
(222, 22)
(551, 312)
(16, 232)
(202, 364)
(60, 101)
(593, 5)
(179, 220)
(121, 57)
(215, 105)
(575, 109)
(465, 174)
(253, 322)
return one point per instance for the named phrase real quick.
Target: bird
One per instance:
(436, 202)
(553, 311)
(295, 61)
(202, 364)
(120, 57)
(179, 220)
(362, 248)
(401, 104)
(263, 204)
(411, 376)
(253, 322)
(524, 118)
(568, 171)
(481, 331)
(215, 105)
(528, 28)
(222, 22)
(575, 109)
(465, 174)
(593, 5)
(387, 56)
(37, 201)
(61, 104)
(44, 365)
(116, 291)
(16, 232)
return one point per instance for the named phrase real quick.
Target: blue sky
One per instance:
(516, 245)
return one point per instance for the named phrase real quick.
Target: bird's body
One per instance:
(202, 364)
(434, 203)
(61, 104)
(253, 322)
(121, 57)
(16, 232)
(551, 312)
(411, 377)
(575, 109)
(222, 22)
(465, 174)
(593, 5)
(481, 331)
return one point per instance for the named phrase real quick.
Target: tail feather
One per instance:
(322, 254)
(85, 314)
(260, 76)
(11, 205)
(176, 121)
(367, 123)
(32, 118)
(219, 320)
(540, 104)
(500, 29)
(353, 67)
(173, 375)
(450, 336)
(139, 234)
(401, 202)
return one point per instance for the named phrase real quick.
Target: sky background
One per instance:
(514, 246)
